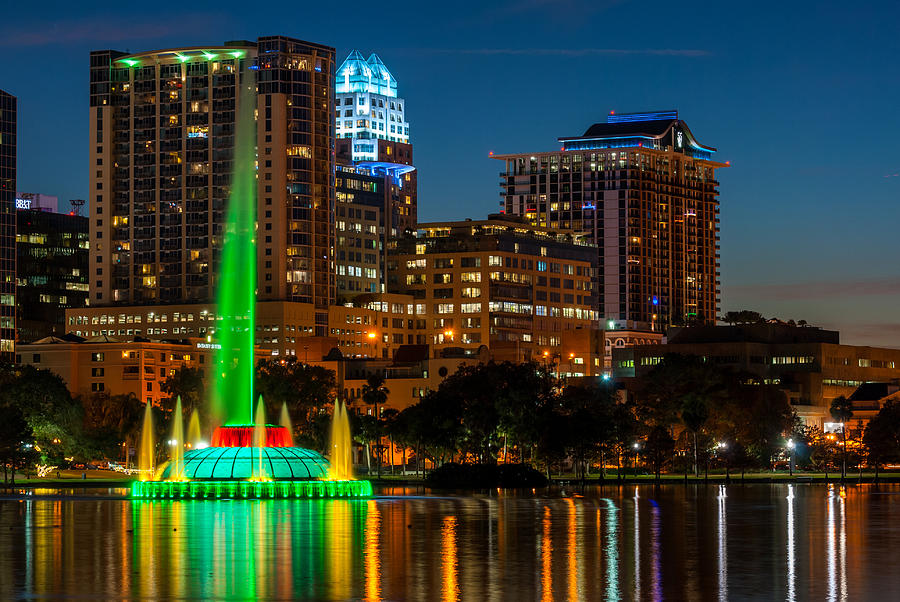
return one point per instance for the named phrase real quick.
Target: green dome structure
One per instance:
(244, 463)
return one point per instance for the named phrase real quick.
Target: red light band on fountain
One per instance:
(242, 436)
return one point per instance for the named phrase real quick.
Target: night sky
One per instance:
(801, 97)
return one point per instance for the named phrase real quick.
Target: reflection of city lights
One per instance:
(449, 559)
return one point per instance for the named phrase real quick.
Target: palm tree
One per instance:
(842, 411)
(374, 393)
(694, 413)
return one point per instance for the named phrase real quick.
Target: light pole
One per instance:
(791, 446)
(723, 446)
(636, 447)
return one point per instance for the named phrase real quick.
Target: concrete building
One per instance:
(809, 364)
(375, 178)
(162, 127)
(367, 105)
(499, 288)
(51, 271)
(373, 326)
(115, 366)
(7, 226)
(643, 189)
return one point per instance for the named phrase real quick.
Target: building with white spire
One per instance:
(367, 106)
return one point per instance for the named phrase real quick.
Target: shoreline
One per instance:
(718, 479)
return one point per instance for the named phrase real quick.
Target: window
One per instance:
(97, 357)
(470, 308)
(443, 308)
(495, 260)
(95, 387)
(36, 358)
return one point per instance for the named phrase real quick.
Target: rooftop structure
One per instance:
(367, 106)
(643, 189)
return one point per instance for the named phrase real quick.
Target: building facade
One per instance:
(375, 178)
(367, 106)
(501, 285)
(7, 226)
(118, 366)
(162, 131)
(51, 271)
(808, 364)
(644, 190)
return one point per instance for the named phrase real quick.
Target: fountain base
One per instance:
(248, 490)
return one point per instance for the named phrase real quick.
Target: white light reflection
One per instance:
(830, 547)
(637, 547)
(723, 547)
(843, 542)
(790, 545)
(655, 531)
(612, 551)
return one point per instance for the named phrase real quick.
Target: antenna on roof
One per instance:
(77, 204)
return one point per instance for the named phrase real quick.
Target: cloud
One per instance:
(820, 290)
(893, 175)
(684, 52)
(98, 31)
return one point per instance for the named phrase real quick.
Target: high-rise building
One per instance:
(644, 189)
(366, 96)
(7, 226)
(375, 179)
(162, 128)
(519, 291)
(51, 271)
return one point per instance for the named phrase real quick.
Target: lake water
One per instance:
(754, 541)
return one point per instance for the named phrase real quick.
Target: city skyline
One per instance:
(784, 102)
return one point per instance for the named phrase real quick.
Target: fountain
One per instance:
(341, 458)
(247, 458)
(147, 457)
(177, 442)
(194, 438)
(286, 422)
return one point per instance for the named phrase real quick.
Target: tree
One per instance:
(882, 436)
(658, 448)
(110, 420)
(742, 317)
(187, 382)
(305, 390)
(14, 433)
(587, 412)
(375, 393)
(365, 430)
(842, 411)
(54, 417)
(661, 392)
(694, 413)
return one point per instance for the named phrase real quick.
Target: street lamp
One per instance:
(449, 335)
(791, 446)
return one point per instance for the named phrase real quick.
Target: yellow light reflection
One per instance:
(372, 562)
(546, 557)
(449, 559)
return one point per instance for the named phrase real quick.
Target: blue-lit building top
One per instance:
(655, 130)
(367, 105)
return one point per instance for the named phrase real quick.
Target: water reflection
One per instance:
(762, 541)
(836, 537)
(723, 544)
(791, 562)
(449, 559)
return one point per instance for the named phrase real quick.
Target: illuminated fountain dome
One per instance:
(233, 468)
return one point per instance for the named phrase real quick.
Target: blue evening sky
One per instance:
(801, 97)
